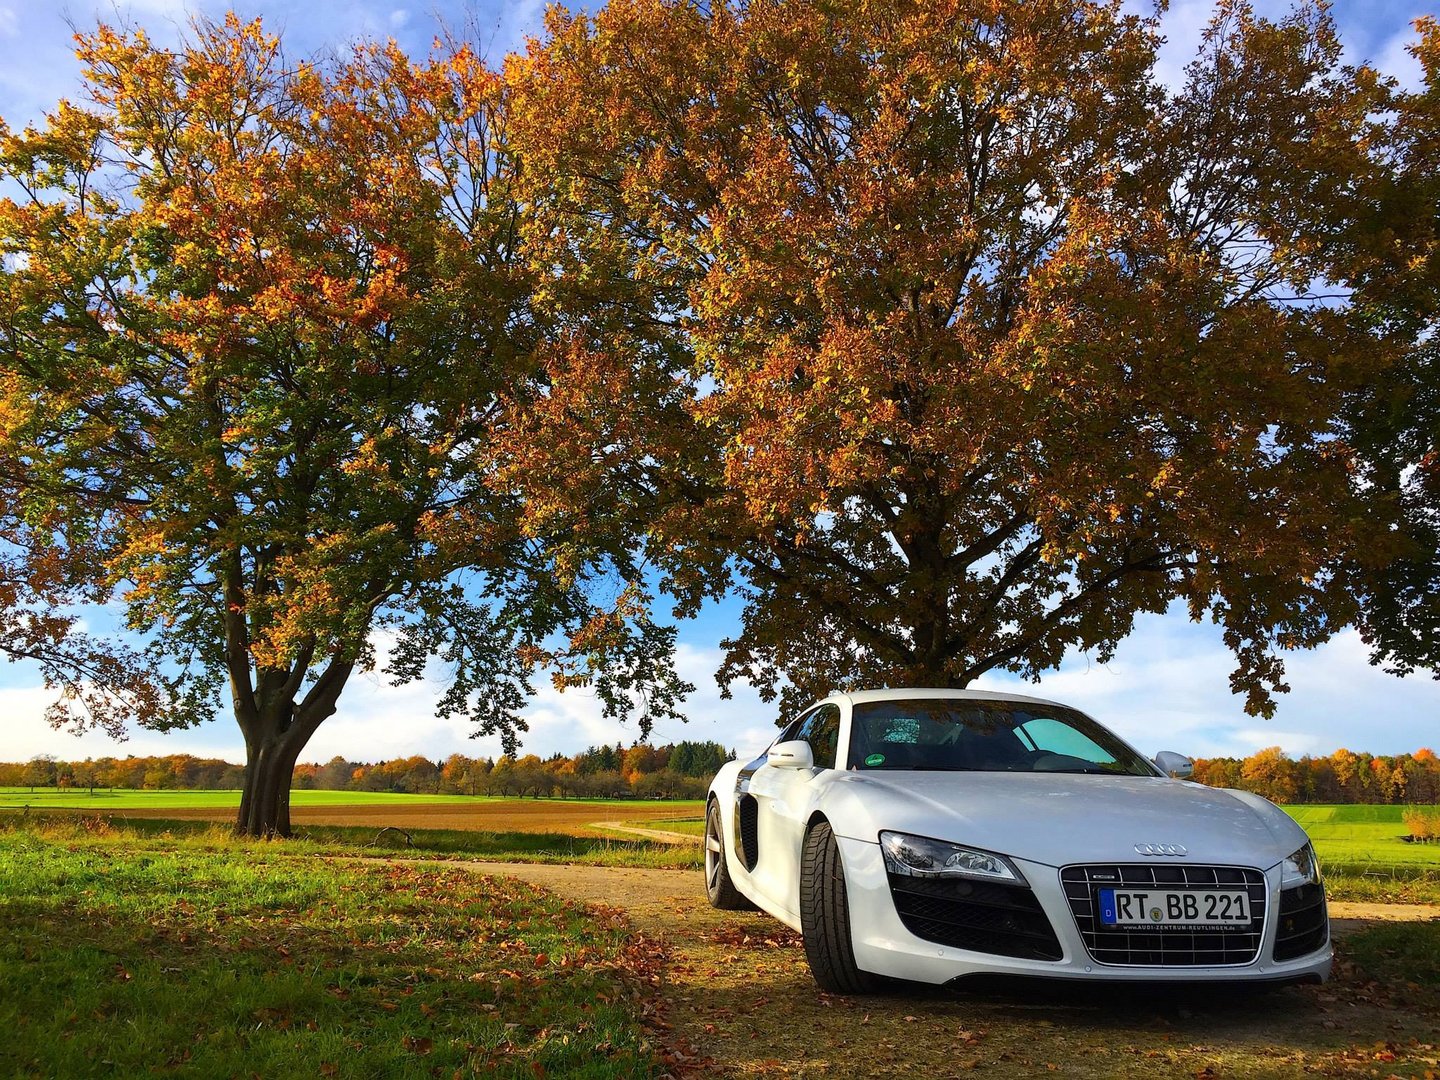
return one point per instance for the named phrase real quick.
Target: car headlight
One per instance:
(918, 856)
(1300, 868)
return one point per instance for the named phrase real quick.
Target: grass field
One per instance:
(1363, 833)
(121, 961)
(1364, 857)
(159, 834)
(312, 810)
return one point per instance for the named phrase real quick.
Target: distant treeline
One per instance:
(679, 771)
(1343, 777)
(683, 771)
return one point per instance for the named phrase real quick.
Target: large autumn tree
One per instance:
(259, 321)
(1395, 419)
(949, 333)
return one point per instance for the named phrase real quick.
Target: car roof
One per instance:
(909, 693)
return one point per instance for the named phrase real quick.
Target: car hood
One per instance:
(1058, 818)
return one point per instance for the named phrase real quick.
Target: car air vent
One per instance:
(1303, 927)
(747, 816)
(1175, 947)
(1004, 920)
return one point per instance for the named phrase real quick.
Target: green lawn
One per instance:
(161, 835)
(1363, 834)
(1364, 857)
(253, 961)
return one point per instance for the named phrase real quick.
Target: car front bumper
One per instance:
(884, 945)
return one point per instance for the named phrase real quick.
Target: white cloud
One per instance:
(1394, 58)
(377, 720)
(1168, 689)
(1377, 34)
(25, 734)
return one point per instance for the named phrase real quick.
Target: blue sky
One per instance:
(1167, 687)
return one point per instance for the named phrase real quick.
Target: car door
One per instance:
(783, 797)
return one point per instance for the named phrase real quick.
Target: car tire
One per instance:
(719, 888)
(825, 917)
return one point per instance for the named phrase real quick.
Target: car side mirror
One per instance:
(794, 754)
(1172, 764)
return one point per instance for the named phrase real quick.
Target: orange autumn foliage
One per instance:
(946, 333)
(259, 319)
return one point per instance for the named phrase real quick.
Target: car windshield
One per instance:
(986, 736)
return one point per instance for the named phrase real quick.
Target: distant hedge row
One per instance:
(683, 770)
(1343, 777)
(679, 770)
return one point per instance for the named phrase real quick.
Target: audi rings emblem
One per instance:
(1162, 849)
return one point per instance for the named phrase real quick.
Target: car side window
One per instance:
(792, 729)
(821, 729)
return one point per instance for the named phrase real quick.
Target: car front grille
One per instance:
(1005, 920)
(1165, 948)
(1303, 925)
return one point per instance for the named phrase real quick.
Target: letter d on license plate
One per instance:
(1173, 907)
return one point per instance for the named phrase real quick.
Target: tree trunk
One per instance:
(274, 738)
(265, 802)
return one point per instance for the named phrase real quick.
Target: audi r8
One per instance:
(934, 835)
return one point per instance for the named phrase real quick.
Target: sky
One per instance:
(1166, 689)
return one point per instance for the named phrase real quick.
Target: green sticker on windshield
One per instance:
(875, 759)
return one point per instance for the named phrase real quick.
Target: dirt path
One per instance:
(740, 995)
(1346, 917)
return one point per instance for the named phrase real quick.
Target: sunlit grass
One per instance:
(1358, 834)
(159, 834)
(120, 960)
(1365, 857)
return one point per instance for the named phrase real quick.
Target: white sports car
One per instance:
(932, 835)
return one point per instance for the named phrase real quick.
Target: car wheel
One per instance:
(718, 886)
(825, 917)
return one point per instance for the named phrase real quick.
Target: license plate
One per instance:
(1174, 907)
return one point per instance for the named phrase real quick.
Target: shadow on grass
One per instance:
(1353, 1026)
(1379, 1015)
